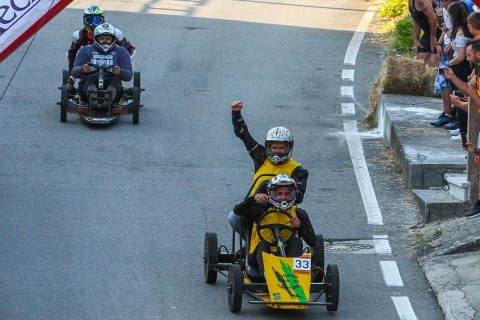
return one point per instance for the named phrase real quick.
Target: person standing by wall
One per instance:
(425, 19)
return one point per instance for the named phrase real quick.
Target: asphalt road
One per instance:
(108, 222)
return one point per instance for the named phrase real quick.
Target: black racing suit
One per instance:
(259, 156)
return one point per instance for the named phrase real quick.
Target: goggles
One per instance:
(96, 20)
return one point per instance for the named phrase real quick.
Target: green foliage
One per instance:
(394, 8)
(403, 37)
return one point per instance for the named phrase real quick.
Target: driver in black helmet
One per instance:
(273, 158)
(281, 195)
(103, 52)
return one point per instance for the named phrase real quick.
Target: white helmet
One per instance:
(279, 134)
(282, 180)
(105, 29)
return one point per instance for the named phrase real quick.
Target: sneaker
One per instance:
(456, 138)
(113, 91)
(94, 101)
(441, 121)
(452, 126)
(455, 132)
(475, 212)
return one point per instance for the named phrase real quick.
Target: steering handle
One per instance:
(275, 228)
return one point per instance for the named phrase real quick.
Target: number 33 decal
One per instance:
(301, 264)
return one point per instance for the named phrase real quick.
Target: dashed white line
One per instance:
(346, 91)
(404, 308)
(348, 74)
(348, 108)
(382, 245)
(369, 198)
(391, 275)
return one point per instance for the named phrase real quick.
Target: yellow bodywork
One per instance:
(288, 280)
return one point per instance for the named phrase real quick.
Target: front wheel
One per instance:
(65, 76)
(235, 288)
(136, 79)
(332, 292)
(210, 257)
(318, 259)
(64, 103)
(136, 105)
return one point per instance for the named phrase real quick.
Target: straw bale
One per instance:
(403, 75)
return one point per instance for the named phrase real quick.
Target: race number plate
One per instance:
(288, 279)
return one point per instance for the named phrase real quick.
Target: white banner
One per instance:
(21, 19)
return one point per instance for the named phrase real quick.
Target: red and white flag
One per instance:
(21, 19)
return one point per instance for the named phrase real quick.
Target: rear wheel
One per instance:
(235, 288)
(332, 292)
(65, 76)
(136, 105)
(64, 103)
(210, 257)
(318, 259)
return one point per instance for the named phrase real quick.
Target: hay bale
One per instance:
(402, 75)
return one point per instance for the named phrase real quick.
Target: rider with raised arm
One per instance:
(93, 16)
(272, 159)
(104, 52)
(281, 195)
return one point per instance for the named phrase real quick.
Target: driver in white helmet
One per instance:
(93, 16)
(103, 52)
(281, 191)
(272, 158)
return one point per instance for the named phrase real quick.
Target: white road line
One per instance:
(369, 198)
(348, 74)
(346, 91)
(391, 275)
(348, 108)
(404, 308)
(354, 46)
(382, 245)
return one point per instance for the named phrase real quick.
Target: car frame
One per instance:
(106, 111)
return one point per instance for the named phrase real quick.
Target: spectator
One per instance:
(470, 6)
(424, 19)
(446, 53)
(474, 23)
(470, 88)
(459, 35)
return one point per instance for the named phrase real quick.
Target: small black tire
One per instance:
(136, 105)
(136, 79)
(235, 288)
(210, 257)
(65, 76)
(64, 104)
(318, 259)
(332, 292)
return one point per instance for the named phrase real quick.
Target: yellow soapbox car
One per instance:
(288, 282)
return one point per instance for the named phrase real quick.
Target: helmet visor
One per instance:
(96, 20)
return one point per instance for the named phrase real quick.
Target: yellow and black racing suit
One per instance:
(263, 165)
(252, 210)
